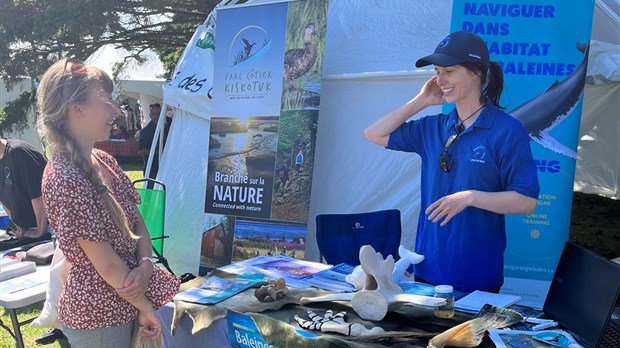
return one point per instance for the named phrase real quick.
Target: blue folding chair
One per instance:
(340, 236)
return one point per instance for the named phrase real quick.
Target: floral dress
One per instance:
(76, 210)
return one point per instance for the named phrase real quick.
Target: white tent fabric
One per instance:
(106, 56)
(193, 76)
(139, 81)
(369, 59)
(183, 168)
(598, 163)
(368, 71)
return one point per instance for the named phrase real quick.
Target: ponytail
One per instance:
(495, 84)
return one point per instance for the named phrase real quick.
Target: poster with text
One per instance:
(262, 136)
(266, 99)
(542, 49)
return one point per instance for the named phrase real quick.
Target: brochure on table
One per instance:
(215, 289)
(473, 302)
(294, 271)
(536, 339)
(333, 278)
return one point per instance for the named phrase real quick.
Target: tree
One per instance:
(36, 33)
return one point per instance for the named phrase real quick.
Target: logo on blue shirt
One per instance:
(480, 153)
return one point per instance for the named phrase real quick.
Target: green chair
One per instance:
(153, 208)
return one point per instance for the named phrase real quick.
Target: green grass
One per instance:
(28, 333)
(133, 169)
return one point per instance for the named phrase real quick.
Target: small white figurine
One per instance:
(407, 257)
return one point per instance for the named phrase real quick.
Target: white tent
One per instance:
(142, 82)
(598, 162)
(368, 71)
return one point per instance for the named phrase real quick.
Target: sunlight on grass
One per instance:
(133, 169)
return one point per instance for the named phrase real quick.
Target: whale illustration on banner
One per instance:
(548, 109)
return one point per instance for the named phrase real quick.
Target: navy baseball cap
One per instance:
(457, 48)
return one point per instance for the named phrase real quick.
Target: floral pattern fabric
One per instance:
(76, 210)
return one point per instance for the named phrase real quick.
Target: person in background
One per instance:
(22, 168)
(112, 284)
(20, 188)
(283, 176)
(145, 140)
(299, 161)
(477, 165)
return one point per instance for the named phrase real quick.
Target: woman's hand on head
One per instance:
(431, 93)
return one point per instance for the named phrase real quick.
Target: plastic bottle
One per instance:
(444, 311)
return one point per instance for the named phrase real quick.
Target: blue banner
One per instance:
(542, 48)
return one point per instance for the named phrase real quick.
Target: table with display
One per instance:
(280, 329)
(11, 301)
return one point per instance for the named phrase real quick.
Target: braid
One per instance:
(95, 177)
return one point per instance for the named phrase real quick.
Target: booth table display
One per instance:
(278, 326)
(119, 147)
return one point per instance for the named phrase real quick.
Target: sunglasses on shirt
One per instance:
(445, 161)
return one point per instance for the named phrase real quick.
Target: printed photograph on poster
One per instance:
(294, 165)
(242, 154)
(248, 75)
(216, 242)
(268, 238)
(303, 58)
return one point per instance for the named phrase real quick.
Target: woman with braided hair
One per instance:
(91, 205)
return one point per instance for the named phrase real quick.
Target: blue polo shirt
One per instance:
(493, 155)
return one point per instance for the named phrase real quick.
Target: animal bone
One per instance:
(380, 293)
(273, 291)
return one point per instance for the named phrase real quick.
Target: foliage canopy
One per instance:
(35, 33)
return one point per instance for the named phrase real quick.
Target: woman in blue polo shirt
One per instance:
(477, 165)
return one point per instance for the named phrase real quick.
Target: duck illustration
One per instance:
(298, 61)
